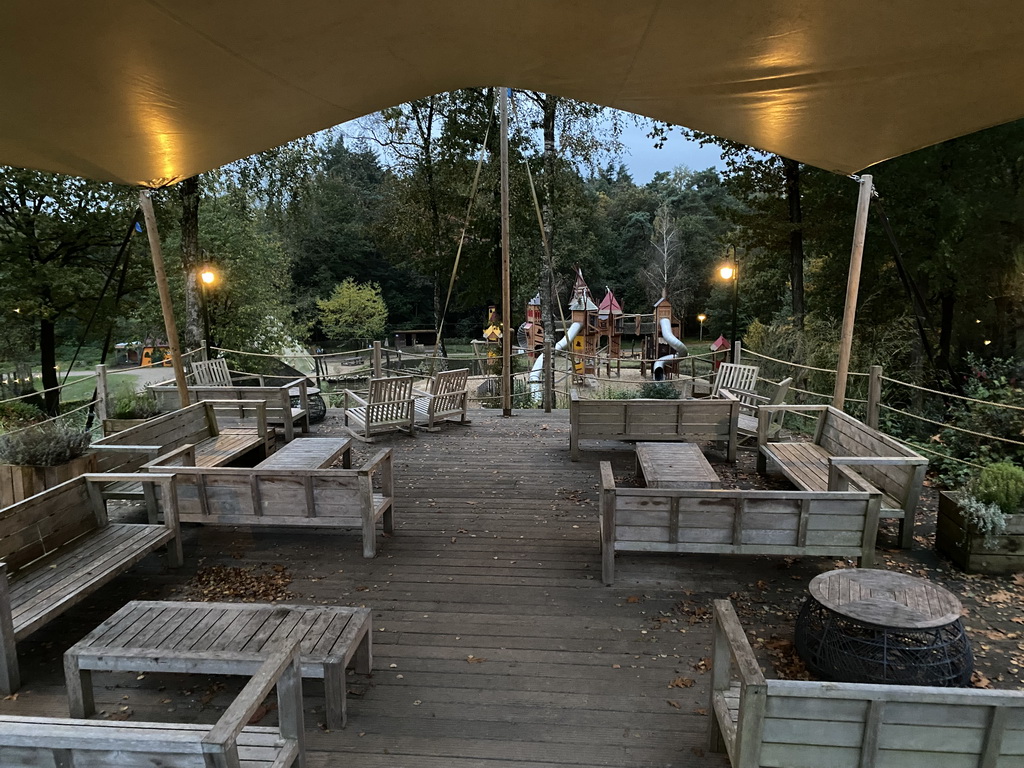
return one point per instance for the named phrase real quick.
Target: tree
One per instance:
(353, 312)
(58, 240)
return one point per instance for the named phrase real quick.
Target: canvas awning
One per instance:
(148, 92)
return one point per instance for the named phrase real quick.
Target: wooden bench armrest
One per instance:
(163, 479)
(382, 458)
(878, 460)
(607, 476)
(281, 669)
(421, 393)
(740, 653)
(841, 479)
(186, 453)
(150, 450)
(348, 393)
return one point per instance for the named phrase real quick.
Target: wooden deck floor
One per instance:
(496, 645)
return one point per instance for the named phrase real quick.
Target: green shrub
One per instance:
(1001, 484)
(19, 414)
(43, 445)
(659, 390)
(130, 403)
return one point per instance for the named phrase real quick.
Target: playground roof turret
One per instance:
(609, 305)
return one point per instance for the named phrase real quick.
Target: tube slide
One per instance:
(658, 369)
(536, 388)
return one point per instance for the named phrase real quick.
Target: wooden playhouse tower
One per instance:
(654, 344)
(583, 311)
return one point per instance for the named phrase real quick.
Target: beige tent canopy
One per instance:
(149, 91)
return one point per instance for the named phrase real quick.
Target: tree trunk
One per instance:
(48, 359)
(791, 170)
(547, 286)
(947, 302)
(190, 260)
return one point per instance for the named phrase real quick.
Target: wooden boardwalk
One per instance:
(495, 643)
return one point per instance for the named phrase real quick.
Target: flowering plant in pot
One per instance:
(40, 456)
(981, 528)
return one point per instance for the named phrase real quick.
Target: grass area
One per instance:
(81, 387)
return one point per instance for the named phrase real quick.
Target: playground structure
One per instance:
(595, 334)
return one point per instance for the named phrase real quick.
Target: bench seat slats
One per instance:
(69, 577)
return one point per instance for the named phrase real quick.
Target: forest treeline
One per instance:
(284, 228)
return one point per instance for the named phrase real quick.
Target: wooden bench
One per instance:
(840, 522)
(28, 742)
(645, 420)
(674, 465)
(58, 547)
(312, 498)
(222, 639)
(388, 405)
(839, 439)
(788, 723)
(310, 453)
(196, 429)
(279, 409)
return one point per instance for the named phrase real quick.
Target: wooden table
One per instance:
(865, 625)
(221, 638)
(310, 453)
(317, 406)
(675, 465)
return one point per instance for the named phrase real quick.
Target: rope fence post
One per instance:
(102, 393)
(548, 373)
(874, 395)
(738, 352)
(375, 364)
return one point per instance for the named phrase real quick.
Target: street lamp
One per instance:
(731, 272)
(701, 318)
(206, 280)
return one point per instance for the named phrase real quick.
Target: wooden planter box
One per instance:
(110, 426)
(18, 482)
(968, 549)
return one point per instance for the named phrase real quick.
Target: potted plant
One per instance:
(129, 407)
(981, 528)
(40, 456)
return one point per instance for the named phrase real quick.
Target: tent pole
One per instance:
(852, 286)
(165, 295)
(506, 288)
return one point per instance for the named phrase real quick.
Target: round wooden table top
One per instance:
(885, 599)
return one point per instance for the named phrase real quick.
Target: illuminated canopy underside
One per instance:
(148, 92)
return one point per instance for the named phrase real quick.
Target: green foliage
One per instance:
(1001, 484)
(353, 312)
(130, 403)
(18, 414)
(43, 445)
(990, 381)
(617, 393)
(659, 390)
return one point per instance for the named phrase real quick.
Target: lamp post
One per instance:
(206, 279)
(731, 272)
(701, 318)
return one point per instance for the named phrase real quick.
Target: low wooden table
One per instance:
(675, 465)
(221, 638)
(310, 453)
(862, 625)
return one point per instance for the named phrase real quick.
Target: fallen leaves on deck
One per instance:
(259, 583)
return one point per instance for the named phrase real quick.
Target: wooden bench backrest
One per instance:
(842, 435)
(42, 523)
(169, 431)
(278, 401)
(654, 419)
(449, 390)
(734, 376)
(211, 373)
(209, 493)
(388, 399)
(835, 724)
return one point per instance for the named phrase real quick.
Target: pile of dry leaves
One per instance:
(255, 584)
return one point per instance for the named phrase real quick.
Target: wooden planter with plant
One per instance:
(981, 528)
(39, 457)
(129, 408)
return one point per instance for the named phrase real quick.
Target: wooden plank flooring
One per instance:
(495, 643)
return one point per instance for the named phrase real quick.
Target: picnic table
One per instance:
(675, 465)
(310, 453)
(221, 638)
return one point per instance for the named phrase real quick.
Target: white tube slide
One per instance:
(538, 365)
(658, 369)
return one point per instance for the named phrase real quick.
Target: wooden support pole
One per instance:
(548, 372)
(852, 286)
(102, 393)
(165, 295)
(377, 371)
(506, 278)
(874, 395)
